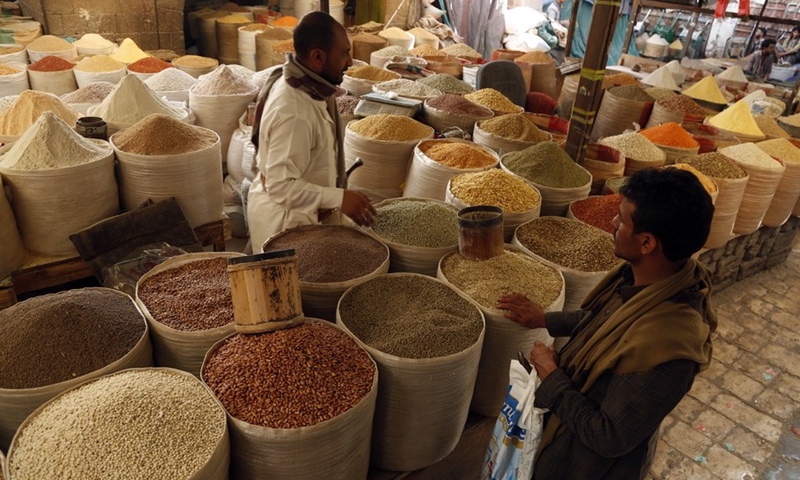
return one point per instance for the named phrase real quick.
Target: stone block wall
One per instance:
(152, 24)
(746, 255)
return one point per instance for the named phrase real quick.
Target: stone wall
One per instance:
(152, 24)
(747, 255)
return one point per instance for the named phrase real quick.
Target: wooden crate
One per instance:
(39, 272)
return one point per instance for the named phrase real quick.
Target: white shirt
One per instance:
(297, 161)
(554, 11)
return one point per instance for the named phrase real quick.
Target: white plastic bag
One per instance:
(518, 430)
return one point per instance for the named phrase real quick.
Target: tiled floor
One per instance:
(741, 420)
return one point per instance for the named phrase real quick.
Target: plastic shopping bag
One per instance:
(518, 430)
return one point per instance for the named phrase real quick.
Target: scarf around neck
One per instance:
(644, 332)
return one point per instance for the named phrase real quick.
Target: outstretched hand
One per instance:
(521, 310)
(357, 206)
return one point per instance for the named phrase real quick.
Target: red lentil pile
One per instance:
(51, 63)
(149, 65)
(598, 211)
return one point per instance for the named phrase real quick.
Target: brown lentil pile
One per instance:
(155, 424)
(716, 165)
(160, 134)
(192, 297)
(328, 254)
(660, 93)
(49, 43)
(418, 223)
(92, 93)
(493, 100)
(495, 187)
(619, 79)
(457, 155)
(782, 149)
(770, 127)
(99, 63)
(631, 92)
(569, 243)
(514, 127)
(458, 105)
(410, 316)
(461, 50)
(53, 338)
(291, 378)
(634, 146)
(706, 182)
(51, 63)
(347, 104)
(447, 84)
(598, 211)
(195, 61)
(6, 70)
(485, 281)
(368, 72)
(390, 128)
(12, 49)
(255, 27)
(283, 46)
(425, 50)
(536, 57)
(547, 164)
(684, 104)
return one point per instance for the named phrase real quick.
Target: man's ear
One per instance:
(317, 57)
(649, 243)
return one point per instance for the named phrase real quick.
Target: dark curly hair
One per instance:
(672, 205)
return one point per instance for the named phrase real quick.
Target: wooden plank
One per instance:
(51, 274)
(36, 275)
(587, 100)
(8, 295)
(463, 463)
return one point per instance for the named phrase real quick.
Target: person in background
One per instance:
(641, 336)
(760, 63)
(789, 49)
(301, 166)
(758, 36)
(553, 12)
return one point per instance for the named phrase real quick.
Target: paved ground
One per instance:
(741, 420)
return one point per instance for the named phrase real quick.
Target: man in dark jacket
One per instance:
(638, 341)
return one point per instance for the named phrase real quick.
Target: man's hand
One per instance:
(522, 310)
(357, 206)
(544, 359)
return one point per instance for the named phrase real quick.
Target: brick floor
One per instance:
(736, 423)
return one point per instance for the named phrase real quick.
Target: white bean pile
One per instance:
(153, 424)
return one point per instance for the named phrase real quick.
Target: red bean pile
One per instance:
(289, 378)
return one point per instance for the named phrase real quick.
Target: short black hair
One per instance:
(768, 42)
(672, 205)
(762, 30)
(315, 30)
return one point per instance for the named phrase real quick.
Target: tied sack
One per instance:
(518, 430)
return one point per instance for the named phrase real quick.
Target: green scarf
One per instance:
(644, 332)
